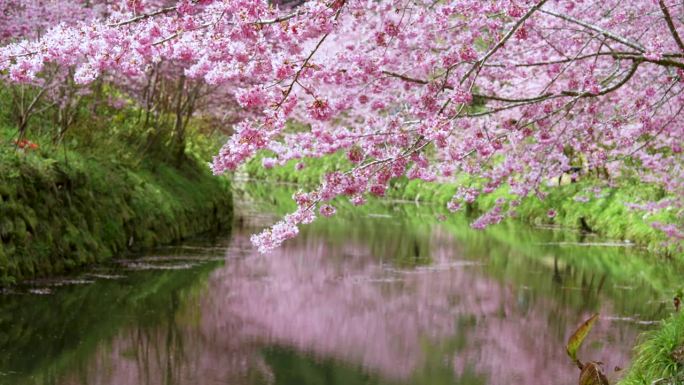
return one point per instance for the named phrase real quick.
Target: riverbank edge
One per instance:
(602, 211)
(57, 215)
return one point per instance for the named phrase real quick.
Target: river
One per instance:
(392, 293)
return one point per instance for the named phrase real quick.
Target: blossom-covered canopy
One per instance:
(512, 92)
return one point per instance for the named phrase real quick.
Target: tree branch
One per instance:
(670, 24)
(503, 40)
(600, 30)
(607, 90)
(144, 16)
(546, 96)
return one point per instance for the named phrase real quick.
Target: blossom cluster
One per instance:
(510, 92)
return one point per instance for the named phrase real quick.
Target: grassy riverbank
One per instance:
(588, 205)
(99, 192)
(57, 215)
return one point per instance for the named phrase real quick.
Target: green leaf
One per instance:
(592, 373)
(578, 337)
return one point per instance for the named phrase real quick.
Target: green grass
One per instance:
(656, 357)
(311, 174)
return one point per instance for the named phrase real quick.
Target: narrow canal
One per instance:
(389, 294)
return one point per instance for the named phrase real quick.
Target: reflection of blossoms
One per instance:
(354, 309)
(360, 310)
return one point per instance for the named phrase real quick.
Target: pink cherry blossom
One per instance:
(327, 210)
(508, 93)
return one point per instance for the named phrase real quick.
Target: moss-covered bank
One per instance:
(59, 214)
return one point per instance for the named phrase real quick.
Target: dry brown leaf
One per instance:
(592, 375)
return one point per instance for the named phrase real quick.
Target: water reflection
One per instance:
(363, 300)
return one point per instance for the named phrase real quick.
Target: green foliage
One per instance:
(577, 338)
(605, 212)
(311, 174)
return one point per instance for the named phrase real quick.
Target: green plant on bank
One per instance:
(659, 358)
(107, 186)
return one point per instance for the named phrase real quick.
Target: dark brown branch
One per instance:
(475, 95)
(546, 96)
(607, 90)
(614, 55)
(670, 25)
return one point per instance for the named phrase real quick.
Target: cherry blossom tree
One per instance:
(21, 20)
(511, 92)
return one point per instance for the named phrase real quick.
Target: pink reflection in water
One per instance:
(340, 302)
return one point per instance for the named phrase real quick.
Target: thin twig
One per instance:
(600, 30)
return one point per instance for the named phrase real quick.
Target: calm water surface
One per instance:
(390, 295)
